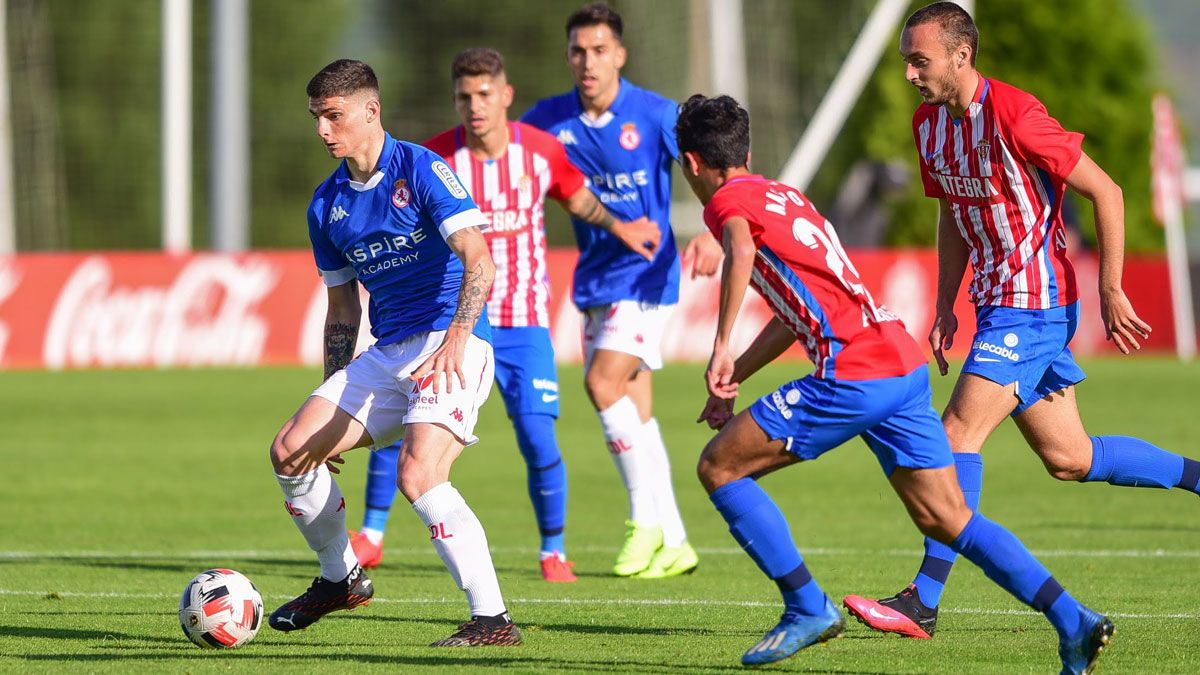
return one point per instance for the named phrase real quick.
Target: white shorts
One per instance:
(626, 326)
(374, 388)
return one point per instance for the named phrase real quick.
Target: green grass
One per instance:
(120, 486)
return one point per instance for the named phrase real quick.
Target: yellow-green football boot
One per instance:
(641, 542)
(671, 561)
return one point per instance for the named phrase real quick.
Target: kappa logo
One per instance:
(401, 195)
(446, 175)
(629, 138)
(337, 214)
(457, 414)
(566, 137)
(292, 510)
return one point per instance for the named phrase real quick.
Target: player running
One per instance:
(509, 168)
(395, 217)
(998, 163)
(870, 381)
(623, 138)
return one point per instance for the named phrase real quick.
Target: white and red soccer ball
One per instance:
(220, 609)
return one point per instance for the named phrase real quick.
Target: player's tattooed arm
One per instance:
(341, 326)
(641, 236)
(478, 274)
(584, 206)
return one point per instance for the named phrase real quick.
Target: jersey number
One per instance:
(808, 233)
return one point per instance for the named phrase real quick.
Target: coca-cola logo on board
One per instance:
(206, 316)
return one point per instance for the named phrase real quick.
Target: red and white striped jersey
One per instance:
(810, 284)
(1003, 168)
(511, 192)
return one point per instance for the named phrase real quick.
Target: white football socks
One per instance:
(655, 452)
(459, 539)
(315, 503)
(623, 433)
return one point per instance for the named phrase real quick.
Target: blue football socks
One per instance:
(759, 526)
(1006, 561)
(1132, 462)
(546, 476)
(381, 486)
(939, 558)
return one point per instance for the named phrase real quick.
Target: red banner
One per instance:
(121, 310)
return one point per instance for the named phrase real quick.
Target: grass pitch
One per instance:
(120, 486)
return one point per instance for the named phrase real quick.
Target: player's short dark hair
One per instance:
(717, 129)
(595, 14)
(477, 61)
(344, 77)
(957, 25)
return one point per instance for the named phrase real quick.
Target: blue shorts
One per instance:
(525, 371)
(1027, 347)
(894, 415)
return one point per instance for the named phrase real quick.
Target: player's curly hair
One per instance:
(595, 14)
(343, 77)
(717, 129)
(477, 61)
(957, 25)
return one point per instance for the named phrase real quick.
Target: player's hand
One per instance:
(1121, 323)
(334, 463)
(941, 337)
(719, 376)
(717, 412)
(704, 254)
(641, 236)
(446, 362)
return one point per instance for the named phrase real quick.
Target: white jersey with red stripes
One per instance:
(511, 192)
(1002, 167)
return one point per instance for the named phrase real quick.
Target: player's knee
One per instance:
(602, 389)
(1065, 464)
(283, 450)
(712, 472)
(960, 433)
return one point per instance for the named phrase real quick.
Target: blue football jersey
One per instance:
(390, 233)
(626, 155)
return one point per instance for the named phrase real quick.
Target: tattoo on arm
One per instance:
(339, 346)
(477, 277)
(591, 211)
(472, 296)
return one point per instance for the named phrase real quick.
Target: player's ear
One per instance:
(373, 108)
(506, 95)
(619, 56)
(691, 163)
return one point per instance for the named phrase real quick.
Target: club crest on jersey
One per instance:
(401, 196)
(524, 184)
(630, 138)
(983, 149)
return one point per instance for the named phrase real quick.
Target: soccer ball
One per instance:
(220, 609)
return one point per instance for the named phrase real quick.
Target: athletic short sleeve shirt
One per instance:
(511, 191)
(626, 155)
(390, 232)
(810, 283)
(1002, 167)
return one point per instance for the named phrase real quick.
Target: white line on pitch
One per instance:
(654, 602)
(300, 554)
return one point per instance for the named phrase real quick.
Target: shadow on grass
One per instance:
(582, 629)
(80, 634)
(515, 662)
